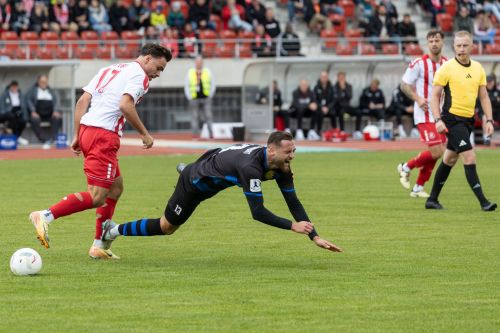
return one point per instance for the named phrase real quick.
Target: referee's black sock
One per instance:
(442, 173)
(144, 227)
(475, 185)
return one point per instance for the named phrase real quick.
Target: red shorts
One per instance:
(100, 148)
(430, 135)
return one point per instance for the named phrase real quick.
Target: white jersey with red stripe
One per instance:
(420, 73)
(107, 89)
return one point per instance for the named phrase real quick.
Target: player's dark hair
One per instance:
(433, 33)
(278, 136)
(156, 51)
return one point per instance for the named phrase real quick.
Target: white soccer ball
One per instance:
(25, 262)
(371, 132)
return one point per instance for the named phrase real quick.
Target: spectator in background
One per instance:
(13, 111)
(60, 21)
(304, 105)
(483, 28)
(233, 17)
(152, 35)
(296, 7)
(5, 15)
(199, 15)
(290, 42)
(158, 19)
(371, 102)
(39, 18)
(256, 13)
(176, 18)
(323, 93)
(332, 7)
(170, 42)
(492, 6)
(262, 45)
(20, 18)
(118, 16)
(138, 16)
(271, 25)
(494, 95)
(406, 29)
(435, 7)
(189, 42)
(98, 17)
(391, 11)
(199, 88)
(401, 105)
(315, 16)
(217, 6)
(463, 22)
(79, 15)
(43, 105)
(381, 27)
(263, 98)
(471, 6)
(342, 93)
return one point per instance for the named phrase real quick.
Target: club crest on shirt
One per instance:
(432, 136)
(255, 185)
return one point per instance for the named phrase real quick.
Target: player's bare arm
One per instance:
(435, 109)
(484, 99)
(82, 105)
(127, 107)
(408, 91)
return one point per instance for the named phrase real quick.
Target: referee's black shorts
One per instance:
(459, 132)
(184, 200)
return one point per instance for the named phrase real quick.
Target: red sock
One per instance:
(72, 203)
(425, 173)
(102, 214)
(422, 159)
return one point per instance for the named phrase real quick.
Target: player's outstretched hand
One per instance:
(75, 146)
(323, 243)
(302, 227)
(147, 141)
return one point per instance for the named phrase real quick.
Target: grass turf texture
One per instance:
(404, 269)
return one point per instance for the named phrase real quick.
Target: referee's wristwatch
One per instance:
(437, 119)
(489, 121)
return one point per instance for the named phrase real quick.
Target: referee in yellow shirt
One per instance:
(461, 80)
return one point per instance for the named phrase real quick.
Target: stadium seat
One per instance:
(70, 39)
(245, 51)
(246, 38)
(475, 49)
(50, 39)
(23, 53)
(84, 53)
(10, 40)
(185, 8)
(367, 49)
(353, 36)
(63, 52)
(229, 38)
(413, 50)
(125, 53)
(44, 53)
(111, 38)
(131, 39)
(103, 52)
(217, 21)
(90, 39)
(224, 52)
(30, 39)
(338, 22)
(4, 52)
(390, 49)
(349, 8)
(209, 40)
(343, 50)
(450, 7)
(445, 22)
(491, 49)
(329, 38)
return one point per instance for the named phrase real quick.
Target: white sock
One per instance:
(406, 168)
(98, 243)
(418, 188)
(47, 216)
(113, 233)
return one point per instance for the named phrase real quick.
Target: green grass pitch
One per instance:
(404, 269)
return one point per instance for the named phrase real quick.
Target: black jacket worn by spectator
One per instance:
(290, 44)
(342, 96)
(272, 28)
(118, 18)
(367, 96)
(254, 15)
(324, 95)
(301, 101)
(199, 13)
(398, 106)
(407, 30)
(376, 24)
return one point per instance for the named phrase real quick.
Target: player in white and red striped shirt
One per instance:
(100, 114)
(420, 74)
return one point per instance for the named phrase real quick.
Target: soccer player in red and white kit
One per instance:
(420, 74)
(100, 114)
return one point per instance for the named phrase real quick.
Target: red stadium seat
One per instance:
(217, 21)
(64, 52)
(491, 49)
(10, 39)
(450, 7)
(349, 8)
(50, 39)
(245, 51)
(353, 36)
(23, 53)
(111, 38)
(209, 40)
(367, 49)
(84, 53)
(125, 53)
(224, 52)
(185, 8)
(246, 38)
(329, 38)
(44, 53)
(90, 39)
(338, 22)
(390, 49)
(4, 52)
(103, 52)
(30, 39)
(475, 49)
(344, 50)
(131, 39)
(413, 50)
(70, 39)
(445, 22)
(229, 37)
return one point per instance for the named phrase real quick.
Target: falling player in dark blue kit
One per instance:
(244, 165)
